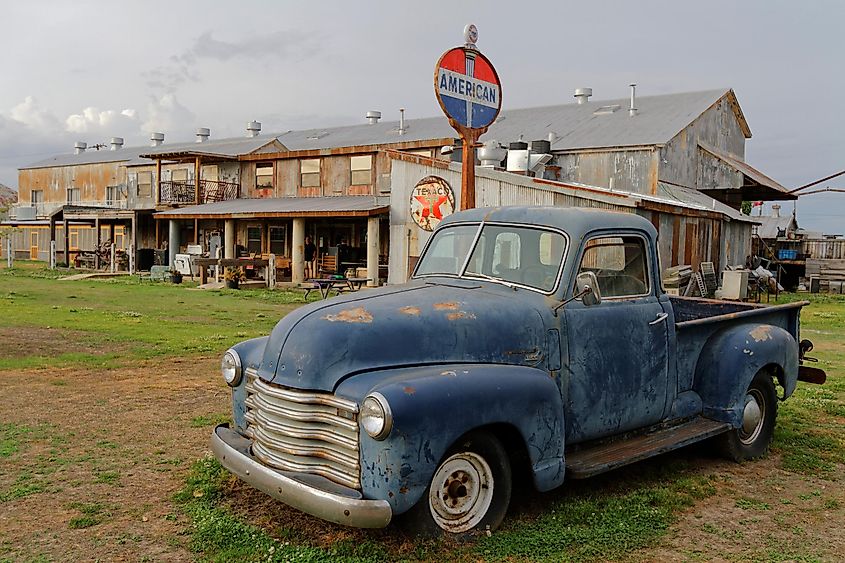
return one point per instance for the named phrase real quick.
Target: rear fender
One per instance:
(730, 360)
(434, 406)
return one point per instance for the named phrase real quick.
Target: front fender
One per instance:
(434, 406)
(732, 357)
(250, 352)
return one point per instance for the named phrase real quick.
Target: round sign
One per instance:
(468, 88)
(432, 199)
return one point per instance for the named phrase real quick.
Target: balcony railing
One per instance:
(180, 192)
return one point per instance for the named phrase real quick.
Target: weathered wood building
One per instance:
(686, 148)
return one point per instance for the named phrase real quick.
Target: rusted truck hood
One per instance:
(320, 344)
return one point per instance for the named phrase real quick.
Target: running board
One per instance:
(605, 457)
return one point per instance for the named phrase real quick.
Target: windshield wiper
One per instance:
(491, 278)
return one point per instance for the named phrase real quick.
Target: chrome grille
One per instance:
(303, 431)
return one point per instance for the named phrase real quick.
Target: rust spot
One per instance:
(410, 310)
(390, 494)
(403, 490)
(762, 333)
(460, 315)
(446, 306)
(356, 315)
(409, 390)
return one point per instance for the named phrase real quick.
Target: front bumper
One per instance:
(309, 493)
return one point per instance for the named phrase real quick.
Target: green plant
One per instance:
(234, 274)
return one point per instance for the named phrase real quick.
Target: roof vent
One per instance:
(253, 128)
(632, 111)
(373, 117)
(606, 110)
(492, 154)
(79, 147)
(116, 143)
(776, 210)
(156, 139)
(203, 133)
(402, 127)
(583, 95)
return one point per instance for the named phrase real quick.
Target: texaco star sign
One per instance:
(432, 199)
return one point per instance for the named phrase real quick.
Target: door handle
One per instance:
(660, 318)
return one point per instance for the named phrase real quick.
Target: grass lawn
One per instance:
(685, 505)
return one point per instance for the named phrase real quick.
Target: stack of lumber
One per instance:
(827, 270)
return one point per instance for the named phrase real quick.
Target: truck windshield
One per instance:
(507, 254)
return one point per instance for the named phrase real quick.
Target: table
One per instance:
(325, 285)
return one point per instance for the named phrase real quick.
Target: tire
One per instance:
(752, 439)
(468, 493)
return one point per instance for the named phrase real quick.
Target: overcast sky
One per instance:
(89, 71)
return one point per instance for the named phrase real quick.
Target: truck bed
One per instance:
(693, 311)
(696, 320)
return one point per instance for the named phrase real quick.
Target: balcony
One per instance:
(184, 193)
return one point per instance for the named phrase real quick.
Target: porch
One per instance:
(348, 234)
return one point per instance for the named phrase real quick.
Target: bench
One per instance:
(156, 273)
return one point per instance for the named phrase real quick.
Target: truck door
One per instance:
(617, 373)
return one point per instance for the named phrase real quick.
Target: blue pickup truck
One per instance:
(529, 341)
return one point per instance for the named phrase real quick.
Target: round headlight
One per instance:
(231, 368)
(375, 416)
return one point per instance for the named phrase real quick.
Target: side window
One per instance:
(620, 265)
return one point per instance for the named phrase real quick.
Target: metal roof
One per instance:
(769, 225)
(575, 126)
(230, 147)
(756, 185)
(338, 206)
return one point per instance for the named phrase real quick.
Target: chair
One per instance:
(328, 264)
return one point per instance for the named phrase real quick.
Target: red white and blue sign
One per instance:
(468, 88)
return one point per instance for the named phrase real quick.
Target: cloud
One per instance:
(278, 45)
(165, 113)
(109, 121)
(30, 113)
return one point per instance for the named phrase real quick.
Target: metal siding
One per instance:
(681, 157)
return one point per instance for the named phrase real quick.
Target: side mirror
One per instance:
(588, 288)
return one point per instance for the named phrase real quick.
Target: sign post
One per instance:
(470, 94)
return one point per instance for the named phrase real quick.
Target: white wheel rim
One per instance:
(461, 492)
(752, 417)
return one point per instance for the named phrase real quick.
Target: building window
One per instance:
(73, 195)
(145, 184)
(277, 241)
(113, 196)
(119, 238)
(36, 197)
(362, 170)
(253, 240)
(309, 170)
(179, 175)
(74, 239)
(264, 176)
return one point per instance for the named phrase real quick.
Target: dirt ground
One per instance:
(106, 449)
(114, 445)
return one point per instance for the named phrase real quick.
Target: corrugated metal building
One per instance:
(692, 227)
(675, 147)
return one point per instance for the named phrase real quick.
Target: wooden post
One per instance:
(271, 271)
(67, 240)
(133, 245)
(197, 165)
(97, 245)
(469, 137)
(10, 259)
(158, 190)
